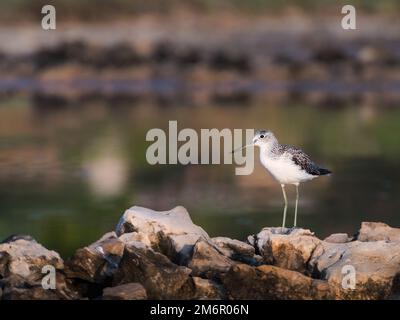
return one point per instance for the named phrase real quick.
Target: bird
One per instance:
(287, 164)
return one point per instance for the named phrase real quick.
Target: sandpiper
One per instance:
(287, 164)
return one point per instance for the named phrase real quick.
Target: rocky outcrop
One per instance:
(162, 278)
(270, 282)
(163, 255)
(338, 238)
(237, 250)
(206, 289)
(288, 249)
(97, 262)
(170, 232)
(375, 266)
(375, 231)
(208, 262)
(24, 263)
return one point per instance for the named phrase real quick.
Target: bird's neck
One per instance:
(267, 149)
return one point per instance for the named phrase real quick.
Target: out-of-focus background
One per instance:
(77, 102)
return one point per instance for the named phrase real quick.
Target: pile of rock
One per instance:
(163, 255)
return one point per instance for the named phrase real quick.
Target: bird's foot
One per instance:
(287, 231)
(293, 229)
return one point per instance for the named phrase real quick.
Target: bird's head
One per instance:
(264, 137)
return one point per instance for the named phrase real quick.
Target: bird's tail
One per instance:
(323, 172)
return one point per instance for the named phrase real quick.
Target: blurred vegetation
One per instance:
(17, 10)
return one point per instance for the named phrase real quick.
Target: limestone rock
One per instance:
(237, 250)
(16, 237)
(207, 261)
(375, 231)
(288, 249)
(162, 278)
(338, 238)
(98, 261)
(22, 261)
(206, 289)
(134, 237)
(26, 258)
(376, 266)
(270, 282)
(128, 291)
(18, 288)
(171, 232)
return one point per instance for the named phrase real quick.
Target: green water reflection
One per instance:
(67, 174)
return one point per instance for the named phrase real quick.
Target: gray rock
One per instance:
(26, 259)
(98, 261)
(134, 237)
(21, 264)
(16, 237)
(375, 231)
(128, 291)
(338, 238)
(376, 265)
(162, 278)
(206, 289)
(237, 250)
(171, 232)
(208, 262)
(270, 282)
(288, 249)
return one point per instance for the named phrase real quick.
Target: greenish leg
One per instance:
(297, 202)
(285, 209)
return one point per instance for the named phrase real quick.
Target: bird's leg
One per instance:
(285, 209)
(297, 202)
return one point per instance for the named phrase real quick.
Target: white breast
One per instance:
(284, 170)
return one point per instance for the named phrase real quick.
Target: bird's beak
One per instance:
(241, 148)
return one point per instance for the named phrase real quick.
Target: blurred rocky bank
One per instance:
(163, 255)
(200, 59)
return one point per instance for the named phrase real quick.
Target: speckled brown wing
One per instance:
(302, 160)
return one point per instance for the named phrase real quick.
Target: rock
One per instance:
(16, 237)
(237, 250)
(162, 278)
(207, 289)
(17, 288)
(270, 282)
(171, 232)
(12, 292)
(128, 291)
(141, 260)
(288, 249)
(26, 258)
(338, 238)
(376, 266)
(133, 237)
(375, 231)
(22, 260)
(97, 262)
(208, 262)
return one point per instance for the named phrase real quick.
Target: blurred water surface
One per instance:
(68, 172)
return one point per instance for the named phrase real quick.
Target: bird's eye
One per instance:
(262, 136)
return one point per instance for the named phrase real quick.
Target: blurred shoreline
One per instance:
(198, 59)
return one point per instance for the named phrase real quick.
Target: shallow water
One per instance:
(68, 172)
